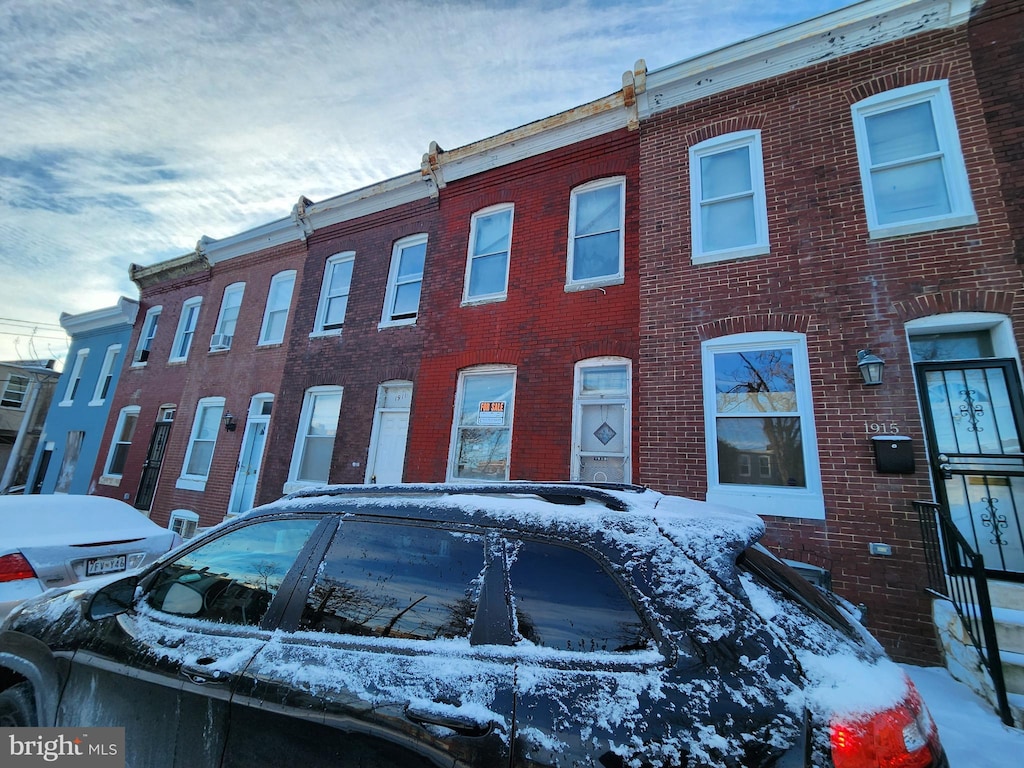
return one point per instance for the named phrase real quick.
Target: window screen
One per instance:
(400, 581)
(564, 599)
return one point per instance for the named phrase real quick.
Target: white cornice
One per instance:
(368, 200)
(848, 30)
(274, 233)
(123, 313)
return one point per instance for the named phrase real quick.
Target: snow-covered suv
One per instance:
(520, 624)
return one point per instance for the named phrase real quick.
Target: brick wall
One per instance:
(825, 278)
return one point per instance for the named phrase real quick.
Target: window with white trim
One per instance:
(201, 443)
(14, 392)
(149, 326)
(728, 209)
(279, 300)
(330, 312)
(490, 245)
(759, 425)
(597, 215)
(601, 421)
(106, 377)
(227, 320)
(186, 329)
(184, 522)
(405, 279)
(124, 431)
(911, 166)
(314, 442)
(75, 379)
(481, 447)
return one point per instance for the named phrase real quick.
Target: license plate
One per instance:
(97, 566)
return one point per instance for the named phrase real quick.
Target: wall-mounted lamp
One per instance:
(870, 367)
(229, 422)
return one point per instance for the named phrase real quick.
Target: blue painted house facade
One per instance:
(70, 444)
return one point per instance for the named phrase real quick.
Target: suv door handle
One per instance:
(201, 674)
(464, 726)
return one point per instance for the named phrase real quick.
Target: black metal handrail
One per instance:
(965, 585)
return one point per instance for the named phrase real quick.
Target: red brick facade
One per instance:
(824, 277)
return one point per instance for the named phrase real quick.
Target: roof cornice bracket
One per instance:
(431, 167)
(301, 217)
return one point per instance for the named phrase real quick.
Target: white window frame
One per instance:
(105, 382)
(600, 280)
(718, 145)
(146, 336)
(624, 400)
(464, 375)
(276, 305)
(230, 303)
(109, 476)
(183, 522)
(326, 297)
(302, 433)
(936, 93)
(75, 379)
(8, 390)
(195, 481)
(388, 318)
(472, 256)
(807, 502)
(185, 333)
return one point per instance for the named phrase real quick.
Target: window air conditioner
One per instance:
(220, 341)
(140, 356)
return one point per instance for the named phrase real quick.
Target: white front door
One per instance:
(390, 433)
(243, 492)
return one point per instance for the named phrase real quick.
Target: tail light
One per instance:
(902, 737)
(14, 567)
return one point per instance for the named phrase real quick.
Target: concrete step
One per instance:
(1016, 708)
(1009, 629)
(1013, 671)
(1006, 594)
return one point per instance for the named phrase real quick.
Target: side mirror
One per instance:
(113, 599)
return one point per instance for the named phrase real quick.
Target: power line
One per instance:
(30, 323)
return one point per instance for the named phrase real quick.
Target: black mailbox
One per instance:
(894, 454)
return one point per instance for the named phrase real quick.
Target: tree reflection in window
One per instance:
(233, 578)
(757, 418)
(564, 599)
(401, 581)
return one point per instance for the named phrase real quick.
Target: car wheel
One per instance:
(17, 707)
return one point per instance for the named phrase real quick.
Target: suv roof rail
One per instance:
(556, 492)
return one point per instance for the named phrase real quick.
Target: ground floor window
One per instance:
(482, 433)
(314, 442)
(760, 426)
(184, 523)
(601, 421)
(124, 431)
(199, 455)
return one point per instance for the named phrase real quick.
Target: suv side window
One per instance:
(233, 578)
(404, 581)
(565, 599)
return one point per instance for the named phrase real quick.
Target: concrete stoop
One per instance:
(962, 659)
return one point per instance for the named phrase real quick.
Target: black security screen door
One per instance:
(973, 415)
(151, 469)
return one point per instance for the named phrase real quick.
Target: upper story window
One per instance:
(911, 166)
(106, 377)
(405, 278)
(330, 312)
(482, 432)
(279, 299)
(75, 379)
(149, 325)
(597, 214)
(314, 443)
(202, 441)
(759, 425)
(490, 243)
(186, 329)
(124, 431)
(728, 211)
(14, 392)
(227, 320)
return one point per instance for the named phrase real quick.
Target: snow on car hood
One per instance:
(41, 520)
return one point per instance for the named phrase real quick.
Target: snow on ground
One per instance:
(971, 732)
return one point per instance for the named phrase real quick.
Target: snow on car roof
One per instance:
(55, 519)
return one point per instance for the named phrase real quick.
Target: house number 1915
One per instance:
(882, 427)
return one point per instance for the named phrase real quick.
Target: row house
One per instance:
(26, 389)
(816, 203)
(693, 283)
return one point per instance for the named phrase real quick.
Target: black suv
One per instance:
(520, 624)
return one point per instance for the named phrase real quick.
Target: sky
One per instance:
(129, 129)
